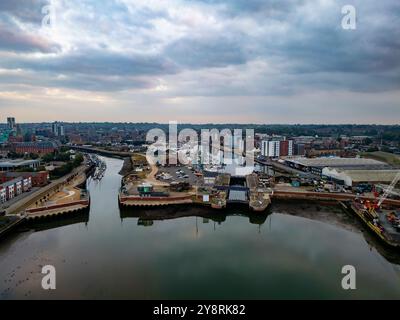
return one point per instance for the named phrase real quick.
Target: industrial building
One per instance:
(12, 165)
(316, 165)
(352, 178)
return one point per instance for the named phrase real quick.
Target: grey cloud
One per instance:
(96, 62)
(313, 53)
(205, 52)
(25, 10)
(17, 40)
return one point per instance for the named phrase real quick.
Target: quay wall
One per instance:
(309, 195)
(154, 201)
(58, 206)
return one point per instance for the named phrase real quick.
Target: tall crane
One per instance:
(389, 189)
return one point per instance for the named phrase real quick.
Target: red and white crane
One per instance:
(389, 189)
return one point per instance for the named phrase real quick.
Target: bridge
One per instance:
(103, 152)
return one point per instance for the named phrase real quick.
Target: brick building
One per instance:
(43, 147)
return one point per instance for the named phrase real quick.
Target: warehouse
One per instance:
(316, 165)
(352, 178)
(19, 164)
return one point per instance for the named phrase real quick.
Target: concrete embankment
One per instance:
(8, 223)
(57, 209)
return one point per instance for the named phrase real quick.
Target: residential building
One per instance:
(14, 187)
(30, 179)
(58, 129)
(3, 194)
(26, 178)
(10, 189)
(270, 149)
(277, 148)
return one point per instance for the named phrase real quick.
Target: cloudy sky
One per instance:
(259, 61)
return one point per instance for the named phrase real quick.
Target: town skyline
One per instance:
(199, 61)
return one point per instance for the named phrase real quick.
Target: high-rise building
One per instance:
(58, 129)
(277, 148)
(300, 149)
(54, 128)
(11, 123)
(270, 148)
(286, 148)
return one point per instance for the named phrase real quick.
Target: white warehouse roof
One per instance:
(336, 162)
(351, 177)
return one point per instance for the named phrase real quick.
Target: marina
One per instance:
(100, 166)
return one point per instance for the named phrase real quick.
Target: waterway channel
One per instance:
(295, 252)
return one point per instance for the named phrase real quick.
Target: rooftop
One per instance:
(11, 182)
(17, 163)
(38, 144)
(371, 175)
(338, 162)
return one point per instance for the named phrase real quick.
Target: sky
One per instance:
(199, 61)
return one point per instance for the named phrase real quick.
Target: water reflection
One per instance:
(43, 224)
(176, 212)
(295, 250)
(326, 213)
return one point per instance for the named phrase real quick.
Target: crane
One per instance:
(389, 189)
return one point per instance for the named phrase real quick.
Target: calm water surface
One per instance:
(106, 254)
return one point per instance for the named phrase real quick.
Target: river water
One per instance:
(297, 252)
